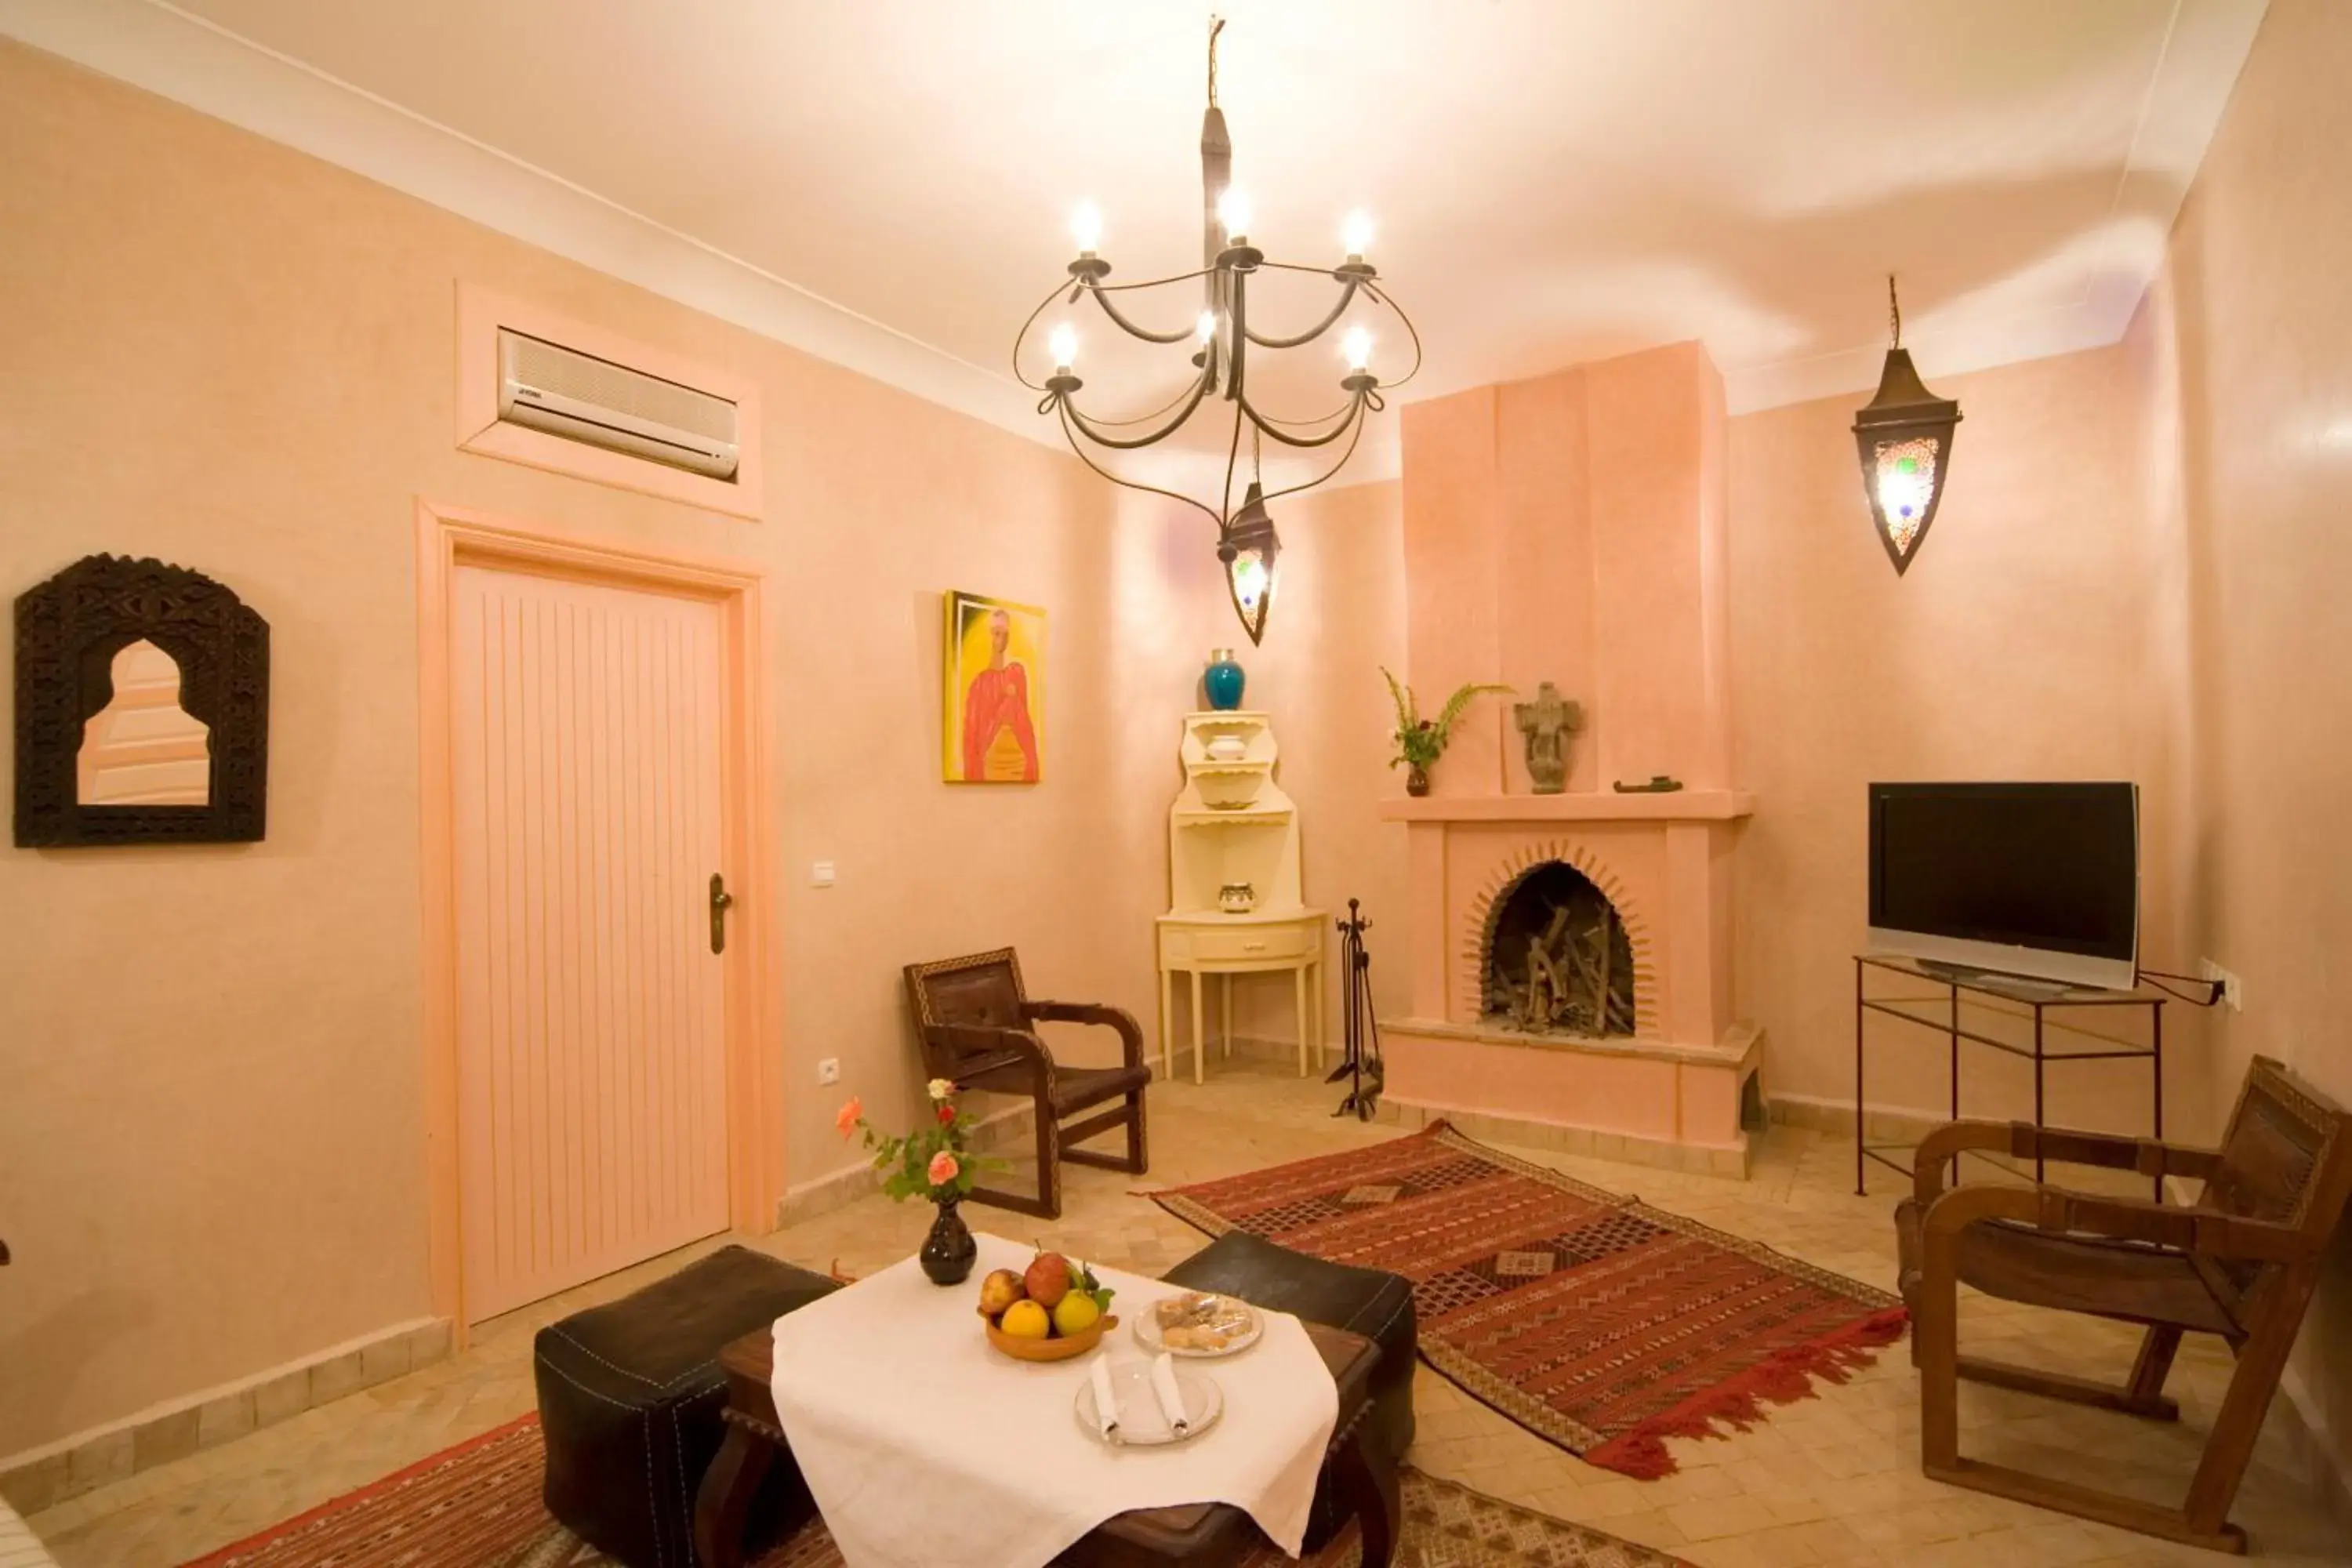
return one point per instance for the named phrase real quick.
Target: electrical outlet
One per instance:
(821, 874)
(829, 1070)
(2233, 990)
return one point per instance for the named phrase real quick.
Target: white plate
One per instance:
(1147, 1334)
(1140, 1424)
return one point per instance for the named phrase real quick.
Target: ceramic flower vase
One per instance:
(1223, 680)
(1416, 782)
(949, 1251)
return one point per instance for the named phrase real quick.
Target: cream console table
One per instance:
(1227, 945)
(1233, 885)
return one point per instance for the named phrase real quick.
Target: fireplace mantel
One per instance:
(1676, 806)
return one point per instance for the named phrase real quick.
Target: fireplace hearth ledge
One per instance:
(1552, 1138)
(1735, 1051)
(1620, 1097)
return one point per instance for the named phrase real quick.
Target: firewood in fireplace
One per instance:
(1559, 961)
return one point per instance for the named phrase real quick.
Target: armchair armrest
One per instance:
(974, 1039)
(1935, 1152)
(2209, 1232)
(2023, 1141)
(1131, 1033)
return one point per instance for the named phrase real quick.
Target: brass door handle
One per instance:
(721, 899)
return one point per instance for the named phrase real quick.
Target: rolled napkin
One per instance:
(1106, 1399)
(1171, 1397)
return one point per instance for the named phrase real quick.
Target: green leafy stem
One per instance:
(1420, 741)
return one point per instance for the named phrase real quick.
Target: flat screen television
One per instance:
(2035, 879)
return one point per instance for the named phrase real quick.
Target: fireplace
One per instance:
(1570, 964)
(1558, 958)
(1568, 940)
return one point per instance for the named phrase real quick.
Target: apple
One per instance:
(1000, 1290)
(1048, 1279)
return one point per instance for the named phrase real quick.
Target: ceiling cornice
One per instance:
(2205, 46)
(185, 59)
(164, 50)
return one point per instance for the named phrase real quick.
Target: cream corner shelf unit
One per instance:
(1233, 826)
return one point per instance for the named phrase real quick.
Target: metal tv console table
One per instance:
(2027, 1001)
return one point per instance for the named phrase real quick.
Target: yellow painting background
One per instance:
(966, 645)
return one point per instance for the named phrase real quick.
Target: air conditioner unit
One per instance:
(546, 386)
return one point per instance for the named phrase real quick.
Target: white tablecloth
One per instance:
(927, 1448)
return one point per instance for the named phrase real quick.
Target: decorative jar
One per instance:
(1237, 897)
(1223, 680)
(949, 1251)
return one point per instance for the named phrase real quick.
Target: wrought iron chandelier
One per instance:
(1222, 337)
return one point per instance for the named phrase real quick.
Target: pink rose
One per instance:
(943, 1168)
(845, 1120)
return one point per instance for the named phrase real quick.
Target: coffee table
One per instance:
(1194, 1533)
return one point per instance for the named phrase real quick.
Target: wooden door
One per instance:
(587, 768)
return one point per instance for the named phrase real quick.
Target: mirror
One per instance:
(143, 748)
(143, 708)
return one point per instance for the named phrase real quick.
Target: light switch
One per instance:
(821, 874)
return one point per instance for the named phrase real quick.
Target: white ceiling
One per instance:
(888, 183)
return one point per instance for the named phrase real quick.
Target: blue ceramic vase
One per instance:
(1223, 680)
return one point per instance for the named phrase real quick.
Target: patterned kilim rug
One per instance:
(1586, 1316)
(477, 1506)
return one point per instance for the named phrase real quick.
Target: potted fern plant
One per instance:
(1420, 741)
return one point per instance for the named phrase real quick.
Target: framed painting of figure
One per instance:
(994, 724)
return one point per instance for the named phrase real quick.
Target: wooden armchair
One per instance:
(2239, 1262)
(973, 1018)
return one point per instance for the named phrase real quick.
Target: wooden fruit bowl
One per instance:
(1053, 1348)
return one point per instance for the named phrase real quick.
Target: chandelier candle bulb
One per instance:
(1064, 346)
(1207, 326)
(1358, 348)
(1356, 233)
(1234, 212)
(1086, 228)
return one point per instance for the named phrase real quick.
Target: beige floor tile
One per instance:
(1828, 1481)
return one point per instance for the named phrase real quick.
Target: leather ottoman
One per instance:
(1367, 1301)
(629, 1396)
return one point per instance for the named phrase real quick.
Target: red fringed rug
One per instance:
(1586, 1316)
(477, 1506)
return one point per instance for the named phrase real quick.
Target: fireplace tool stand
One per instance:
(1362, 1067)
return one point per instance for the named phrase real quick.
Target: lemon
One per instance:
(1026, 1321)
(1075, 1313)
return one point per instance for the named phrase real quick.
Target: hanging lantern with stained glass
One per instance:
(1904, 437)
(1248, 548)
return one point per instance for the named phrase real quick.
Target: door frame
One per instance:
(448, 537)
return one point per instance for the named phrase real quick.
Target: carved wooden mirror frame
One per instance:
(69, 630)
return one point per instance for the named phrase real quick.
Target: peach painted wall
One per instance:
(1338, 616)
(224, 353)
(227, 354)
(1570, 528)
(2243, 354)
(2015, 647)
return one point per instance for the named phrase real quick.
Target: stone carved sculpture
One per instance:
(1547, 722)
